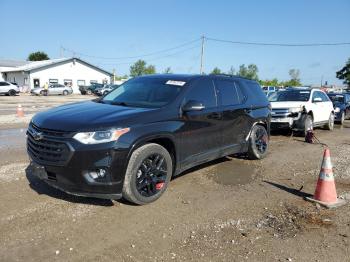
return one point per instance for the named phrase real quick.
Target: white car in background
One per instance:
(7, 88)
(301, 110)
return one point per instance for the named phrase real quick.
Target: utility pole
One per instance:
(321, 81)
(61, 51)
(202, 56)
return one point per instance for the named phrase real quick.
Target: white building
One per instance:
(68, 71)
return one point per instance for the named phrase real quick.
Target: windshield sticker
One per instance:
(175, 83)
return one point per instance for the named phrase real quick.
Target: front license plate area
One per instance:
(38, 171)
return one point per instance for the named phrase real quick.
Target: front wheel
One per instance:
(89, 92)
(65, 92)
(12, 92)
(258, 142)
(148, 174)
(342, 118)
(330, 124)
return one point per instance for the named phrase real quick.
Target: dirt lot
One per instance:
(231, 209)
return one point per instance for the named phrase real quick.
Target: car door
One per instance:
(235, 114)
(327, 105)
(347, 105)
(200, 132)
(318, 107)
(3, 87)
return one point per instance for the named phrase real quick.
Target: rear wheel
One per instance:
(89, 92)
(148, 174)
(42, 92)
(258, 142)
(330, 124)
(65, 92)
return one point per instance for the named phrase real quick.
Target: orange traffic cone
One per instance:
(20, 112)
(325, 193)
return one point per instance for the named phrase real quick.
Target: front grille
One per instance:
(280, 112)
(48, 150)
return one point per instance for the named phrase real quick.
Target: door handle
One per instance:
(248, 110)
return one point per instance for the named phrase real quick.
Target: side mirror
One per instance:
(193, 105)
(317, 99)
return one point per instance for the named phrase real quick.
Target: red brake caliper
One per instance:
(159, 185)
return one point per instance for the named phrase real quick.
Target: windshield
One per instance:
(143, 92)
(295, 95)
(337, 98)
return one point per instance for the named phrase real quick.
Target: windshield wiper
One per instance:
(119, 104)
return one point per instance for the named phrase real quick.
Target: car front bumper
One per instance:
(77, 175)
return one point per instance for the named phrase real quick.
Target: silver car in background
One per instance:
(54, 89)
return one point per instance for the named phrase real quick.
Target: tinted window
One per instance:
(202, 91)
(4, 84)
(254, 90)
(227, 92)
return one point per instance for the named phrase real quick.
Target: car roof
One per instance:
(189, 77)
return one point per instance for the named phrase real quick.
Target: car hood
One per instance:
(89, 116)
(337, 104)
(288, 104)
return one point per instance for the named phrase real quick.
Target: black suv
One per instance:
(130, 142)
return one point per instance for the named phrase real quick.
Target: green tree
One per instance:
(38, 56)
(167, 71)
(250, 71)
(272, 82)
(344, 73)
(140, 68)
(216, 71)
(294, 78)
(231, 71)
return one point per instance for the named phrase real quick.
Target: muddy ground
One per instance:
(231, 209)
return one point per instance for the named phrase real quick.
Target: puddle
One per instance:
(12, 137)
(233, 172)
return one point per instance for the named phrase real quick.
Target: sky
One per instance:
(97, 30)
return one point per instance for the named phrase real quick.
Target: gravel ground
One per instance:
(231, 209)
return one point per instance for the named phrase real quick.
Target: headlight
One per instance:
(337, 110)
(294, 110)
(99, 137)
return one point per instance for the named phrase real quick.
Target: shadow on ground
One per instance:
(296, 192)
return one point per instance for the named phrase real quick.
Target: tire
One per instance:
(141, 171)
(342, 118)
(42, 92)
(258, 143)
(330, 124)
(308, 125)
(89, 92)
(12, 92)
(65, 92)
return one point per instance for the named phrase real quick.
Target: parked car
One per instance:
(89, 89)
(132, 141)
(269, 89)
(301, 110)
(7, 88)
(54, 89)
(341, 103)
(101, 91)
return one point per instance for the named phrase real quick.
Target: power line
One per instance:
(153, 59)
(133, 57)
(276, 44)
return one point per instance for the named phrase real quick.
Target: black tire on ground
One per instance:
(42, 92)
(12, 92)
(330, 124)
(258, 142)
(342, 118)
(308, 125)
(141, 174)
(65, 92)
(89, 92)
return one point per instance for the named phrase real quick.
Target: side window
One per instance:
(315, 95)
(203, 91)
(4, 84)
(324, 97)
(227, 92)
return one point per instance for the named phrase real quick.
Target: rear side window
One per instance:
(255, 93)
(4, 84)
(202, 91)
(227, 92)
